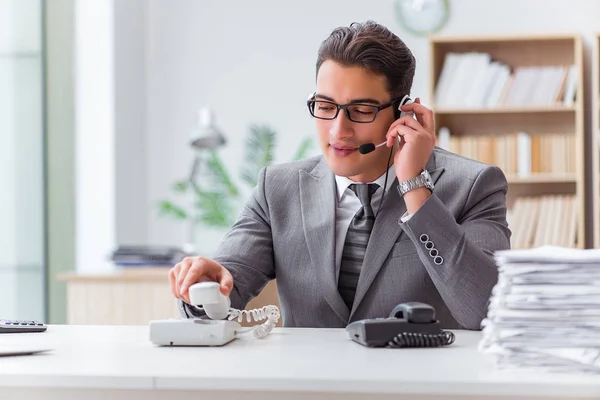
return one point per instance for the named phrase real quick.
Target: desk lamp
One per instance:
(206, 137)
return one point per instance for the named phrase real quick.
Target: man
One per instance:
(344, 249)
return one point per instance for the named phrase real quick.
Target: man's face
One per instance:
(340, 138)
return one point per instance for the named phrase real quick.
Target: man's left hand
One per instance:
(418, 139)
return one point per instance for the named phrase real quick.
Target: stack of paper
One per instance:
(544, 312)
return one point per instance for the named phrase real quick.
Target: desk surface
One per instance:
(288, 360)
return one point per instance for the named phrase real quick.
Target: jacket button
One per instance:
(424, 238)
(438, 260)
(433, 253)
(429, 245)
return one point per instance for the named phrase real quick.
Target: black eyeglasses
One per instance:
(356, 112)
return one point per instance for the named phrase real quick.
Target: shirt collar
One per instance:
(343, 183)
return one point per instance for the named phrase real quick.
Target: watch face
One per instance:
(427, 179)
(422, 17)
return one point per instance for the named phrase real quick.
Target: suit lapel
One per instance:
(384, 235)
(317, 202)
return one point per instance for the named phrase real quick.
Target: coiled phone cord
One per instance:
(270, 313)
(409, 339)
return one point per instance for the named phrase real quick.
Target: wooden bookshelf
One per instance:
(548, 178)
(499, 97)
(596, 138)
(508, 110)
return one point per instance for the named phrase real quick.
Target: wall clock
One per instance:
(422, 17)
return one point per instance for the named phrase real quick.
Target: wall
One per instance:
(60, 127)
(110, 136)
(254, 62)
(144, 68)
(95, 165)
(130, 121)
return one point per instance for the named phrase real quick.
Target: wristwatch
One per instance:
(421, 180)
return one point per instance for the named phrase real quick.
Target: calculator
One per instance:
(16, 326)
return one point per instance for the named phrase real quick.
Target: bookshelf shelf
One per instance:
(515, 101)
(506, 110)
(483, 123)
(542, 178)
(503, 40)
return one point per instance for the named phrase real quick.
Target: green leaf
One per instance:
(219, 176)
(215, 209)
(304, 147)
(260, 146)
(181, 186)
(166, 208)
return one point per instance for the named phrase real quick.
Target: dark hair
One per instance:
(375, 48)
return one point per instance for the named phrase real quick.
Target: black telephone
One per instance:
(410, 324)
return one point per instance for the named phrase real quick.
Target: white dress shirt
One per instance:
(348, 204)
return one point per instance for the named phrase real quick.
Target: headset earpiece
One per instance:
(405, 100)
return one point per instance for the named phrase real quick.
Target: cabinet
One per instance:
(132, 297)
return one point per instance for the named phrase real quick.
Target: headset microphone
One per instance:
(369, 147)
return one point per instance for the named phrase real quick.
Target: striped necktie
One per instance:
(356, 242)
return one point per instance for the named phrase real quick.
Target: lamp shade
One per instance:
(208, 135)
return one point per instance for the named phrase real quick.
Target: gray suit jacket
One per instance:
(287, 231)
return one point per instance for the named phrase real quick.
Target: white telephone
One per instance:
(217, 330)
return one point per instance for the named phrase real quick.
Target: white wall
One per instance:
(94, 134)
(130, 121)
(110, 109)
(254, 62)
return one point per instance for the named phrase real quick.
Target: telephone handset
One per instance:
(410, 324)
(220, 329)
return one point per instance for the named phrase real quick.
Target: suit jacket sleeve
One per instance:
(467, 272)
(247, 251)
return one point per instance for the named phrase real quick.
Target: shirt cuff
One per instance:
(405, 217)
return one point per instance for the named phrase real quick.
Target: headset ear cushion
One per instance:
(405, 100)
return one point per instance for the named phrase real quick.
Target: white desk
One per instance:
(97, 362)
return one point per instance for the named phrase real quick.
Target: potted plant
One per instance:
(217, 198)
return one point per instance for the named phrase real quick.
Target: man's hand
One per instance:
(198, 269)
(414, 150)
(418, 140)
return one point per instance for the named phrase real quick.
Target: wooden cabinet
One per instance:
(132, 297)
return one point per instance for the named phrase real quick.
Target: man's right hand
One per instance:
(198, 269)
